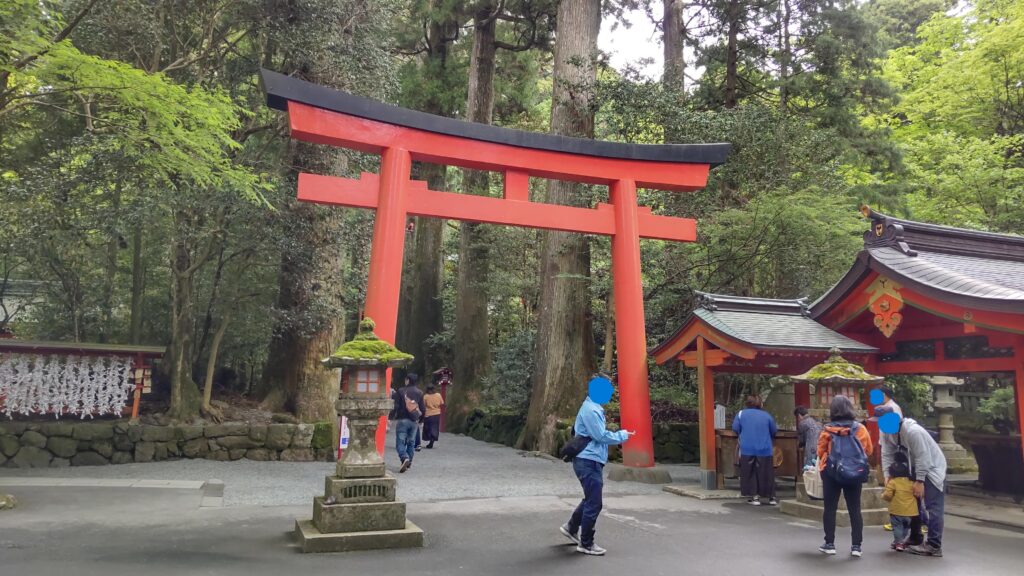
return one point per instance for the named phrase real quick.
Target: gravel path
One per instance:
(457, 468)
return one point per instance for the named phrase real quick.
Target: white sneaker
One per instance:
(564, 529)
(755, 501)
(594, 550)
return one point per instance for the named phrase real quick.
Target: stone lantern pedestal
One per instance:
(957, 458)
(358, 510)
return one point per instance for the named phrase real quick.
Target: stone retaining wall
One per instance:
(57, 444)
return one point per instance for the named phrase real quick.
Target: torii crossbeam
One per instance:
(400, 136)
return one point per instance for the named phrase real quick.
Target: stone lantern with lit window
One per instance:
(358, 510)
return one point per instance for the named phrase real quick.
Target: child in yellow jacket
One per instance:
(899, 493)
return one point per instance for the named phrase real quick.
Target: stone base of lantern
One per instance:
(958, 460)
(312, 540)
(360, 470)
(357, 514)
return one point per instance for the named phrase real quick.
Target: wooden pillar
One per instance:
(1018, 382)
(386, 255)
(631, 337)
(706, 411)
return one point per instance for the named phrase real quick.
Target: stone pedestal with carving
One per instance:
(957, 457)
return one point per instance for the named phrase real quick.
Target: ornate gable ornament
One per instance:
(884, 233)
(886, 302)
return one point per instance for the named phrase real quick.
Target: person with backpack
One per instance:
(589, 453)
(927, 470)
(843, 450)
(409, 409)
(757, 430)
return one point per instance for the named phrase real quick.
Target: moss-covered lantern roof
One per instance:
(366, 349)
(836, 370)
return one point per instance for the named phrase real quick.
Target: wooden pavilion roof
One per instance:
(744, 326)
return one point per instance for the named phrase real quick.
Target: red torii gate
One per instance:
(400, 136)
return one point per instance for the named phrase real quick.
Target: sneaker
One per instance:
(899, 546)
(755, 501)
(773, 502)
(925, 549)
(564, 529)
(419, 448)
(592, 550)
(887, 527)
(827, 548)
(405, 466)
(855, 551)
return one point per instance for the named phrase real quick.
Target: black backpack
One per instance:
(847, 463)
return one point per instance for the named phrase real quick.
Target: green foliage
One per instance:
(913, 394)
(508, 388)
(1000, 407)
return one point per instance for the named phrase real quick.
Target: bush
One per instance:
(1000, 410)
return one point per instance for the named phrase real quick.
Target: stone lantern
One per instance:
(358, 510)
(944, 387)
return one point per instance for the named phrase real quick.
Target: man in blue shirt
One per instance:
(589, 465)
(757, 430)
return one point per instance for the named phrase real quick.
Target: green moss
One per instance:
(368, 346)
(323, 435)
(836, 367)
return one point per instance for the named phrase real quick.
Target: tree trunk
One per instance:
(110, 273)
(211, 362)
(472, 332)
(674, 43)
(565, 343)
(732, 54)
(310, 305)
(423, 315)
(185, 399)
(138, 279)
(785, 53)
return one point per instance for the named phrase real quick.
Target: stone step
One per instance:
(871, 516)
(870, 497)
(311, 540)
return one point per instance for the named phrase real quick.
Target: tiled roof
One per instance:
(778, 330)
(970, 268)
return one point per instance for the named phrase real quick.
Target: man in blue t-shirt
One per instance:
(589, 465)
(757, 429)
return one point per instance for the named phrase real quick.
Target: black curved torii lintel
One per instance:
(281, 89)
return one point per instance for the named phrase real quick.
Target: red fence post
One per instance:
(387, 254)
(631, 340)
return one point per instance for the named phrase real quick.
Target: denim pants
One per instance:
(831, 490)
(405, 438)
(900, 527)
(932, 510)
(584, 518)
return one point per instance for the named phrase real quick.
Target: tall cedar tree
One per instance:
(565, 342)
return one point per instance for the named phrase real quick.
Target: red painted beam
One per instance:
(947, 366)
(362, 193)
(336, 129)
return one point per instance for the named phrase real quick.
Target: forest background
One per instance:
(147, 192)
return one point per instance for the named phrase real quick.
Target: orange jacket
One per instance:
(825, 441)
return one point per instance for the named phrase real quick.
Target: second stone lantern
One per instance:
(358, 510)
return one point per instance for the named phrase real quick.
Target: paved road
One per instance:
(164, 533)
(458, 467)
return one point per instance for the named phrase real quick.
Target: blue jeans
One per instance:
(900, 527)
(584, 518)
(932, 510)
(405, 438)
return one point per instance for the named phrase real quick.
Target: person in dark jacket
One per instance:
(809, 430)
(407, 424)
(757, 430)
(841, 415)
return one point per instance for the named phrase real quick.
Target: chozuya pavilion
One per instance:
(919, 299)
